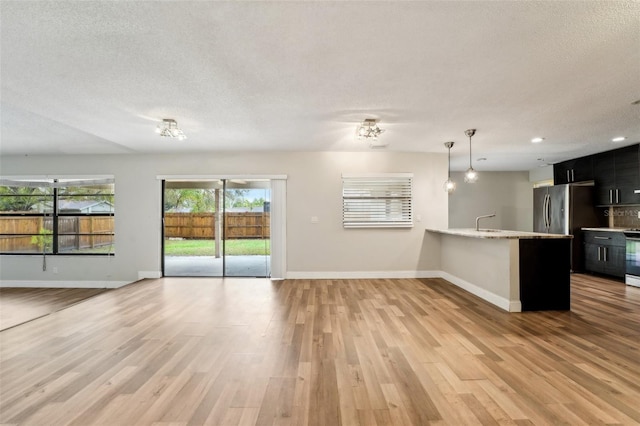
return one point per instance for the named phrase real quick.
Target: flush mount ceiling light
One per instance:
(449, 185)
(537, 140)
(618, 139)
(169, 128)
(368, 130)
(470, 176)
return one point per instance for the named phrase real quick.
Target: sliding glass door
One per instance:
(246, 228)
(216, 228)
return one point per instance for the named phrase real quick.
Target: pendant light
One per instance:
(449, 185)
(470, 175)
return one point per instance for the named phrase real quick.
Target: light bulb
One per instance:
(449, 186)
(470, 176)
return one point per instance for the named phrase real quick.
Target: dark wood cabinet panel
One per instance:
(582, 169)
(591, 258)
(604, 253)
(627, 175)
(605, 237)
(616, 175)
(576, 170)
(614, 263)
(560, 176)
(544, 274)
(604, 177)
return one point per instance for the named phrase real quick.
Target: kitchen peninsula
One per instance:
(516, 271)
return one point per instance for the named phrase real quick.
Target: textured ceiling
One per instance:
(96, 77)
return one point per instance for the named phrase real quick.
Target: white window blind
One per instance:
(377, 201)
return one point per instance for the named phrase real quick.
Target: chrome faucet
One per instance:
(482, 217)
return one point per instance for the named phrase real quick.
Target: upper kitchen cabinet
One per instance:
(617, 176)
(576, 170)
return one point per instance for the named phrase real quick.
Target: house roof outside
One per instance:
(86, 206)
(253, 209)
(80, 206)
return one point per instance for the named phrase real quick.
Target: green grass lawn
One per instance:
(207, 247)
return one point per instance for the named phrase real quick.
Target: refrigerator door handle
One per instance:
(573, 177)
(611, 196)
(547, 214)
(544, 210)
(568, 178)
(617, 196)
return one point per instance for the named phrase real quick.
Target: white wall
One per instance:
(540, 174)
(313, 189)
(508, 194)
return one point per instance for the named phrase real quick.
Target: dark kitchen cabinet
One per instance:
(615, 262)
(616, 176)
(628, 174)
(604, 252)
(576, 170)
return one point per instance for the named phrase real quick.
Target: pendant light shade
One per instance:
(449, 185)
(470, 176)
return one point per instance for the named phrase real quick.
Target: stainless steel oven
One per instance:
(632, 276)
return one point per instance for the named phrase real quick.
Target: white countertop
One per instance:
(605, 229)
(497, 234)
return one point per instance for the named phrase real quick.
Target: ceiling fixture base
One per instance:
(369, 130)
(169, 129)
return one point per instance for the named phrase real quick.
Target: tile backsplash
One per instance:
(623, 216)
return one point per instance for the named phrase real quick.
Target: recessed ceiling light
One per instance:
(618, 139)
(537, 140)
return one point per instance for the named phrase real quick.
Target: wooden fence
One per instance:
(99, 228)
(202, 225)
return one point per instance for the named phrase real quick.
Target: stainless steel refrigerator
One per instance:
(566, 209)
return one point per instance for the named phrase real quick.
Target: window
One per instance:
(377, 201)
(57, 216)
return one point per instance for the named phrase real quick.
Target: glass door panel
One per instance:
(192, 215)
(247, 228)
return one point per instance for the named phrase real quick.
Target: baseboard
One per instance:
(337, 275)
(494, 299)
(501, 302)
(149, 274)
(63, 284)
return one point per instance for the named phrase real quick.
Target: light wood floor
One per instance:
(186, 351)
(19, 305)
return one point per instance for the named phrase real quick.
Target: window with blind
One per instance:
(377, 201)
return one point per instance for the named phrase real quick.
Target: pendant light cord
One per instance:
(470, 133)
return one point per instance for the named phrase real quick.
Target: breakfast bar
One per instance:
(516, 271)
